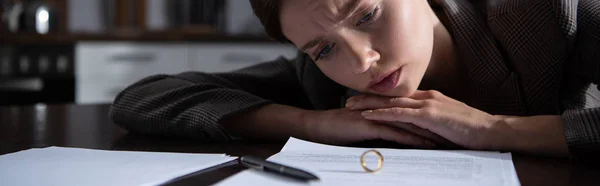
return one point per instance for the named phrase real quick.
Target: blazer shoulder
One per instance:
(588, 13)
(554, 13)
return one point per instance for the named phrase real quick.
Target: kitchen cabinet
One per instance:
(225, 57)
(103, 69)
(132, 60)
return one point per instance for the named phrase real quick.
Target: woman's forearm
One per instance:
(540, 135)
(270, 122)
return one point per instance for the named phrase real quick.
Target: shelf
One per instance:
(183, 35)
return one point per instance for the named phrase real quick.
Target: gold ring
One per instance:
(379, 162)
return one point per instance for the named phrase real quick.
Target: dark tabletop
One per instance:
(88, 126)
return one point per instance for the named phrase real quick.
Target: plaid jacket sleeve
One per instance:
(191, 104)
(582, 126)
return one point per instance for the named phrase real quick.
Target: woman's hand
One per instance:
(433, 111)
(343, 126)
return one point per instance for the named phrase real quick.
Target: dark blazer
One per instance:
(524, 57)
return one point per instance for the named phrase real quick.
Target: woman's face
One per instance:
(376, 46)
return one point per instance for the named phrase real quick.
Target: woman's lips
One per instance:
(386, 84)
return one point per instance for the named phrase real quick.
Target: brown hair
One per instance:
(267, 12)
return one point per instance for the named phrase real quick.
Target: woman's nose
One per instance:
(362, 55)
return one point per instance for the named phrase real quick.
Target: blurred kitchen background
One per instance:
(87, 51)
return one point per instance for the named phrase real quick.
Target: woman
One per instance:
(505, 75)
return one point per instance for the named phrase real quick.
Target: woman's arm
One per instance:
(469, 127)
(265, 101)
(576, 132)
(543, 135)
(193, 104)
(582, 126)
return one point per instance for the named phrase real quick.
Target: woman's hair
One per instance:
(267, 12)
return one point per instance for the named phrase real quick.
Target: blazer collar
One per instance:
(495, 87)
(475, 42)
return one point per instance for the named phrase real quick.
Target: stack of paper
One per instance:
(72, 166)
(341, 166)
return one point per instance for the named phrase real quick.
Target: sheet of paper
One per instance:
(341, 166)
(74, 166)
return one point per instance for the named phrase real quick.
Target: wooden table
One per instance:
(88, 126)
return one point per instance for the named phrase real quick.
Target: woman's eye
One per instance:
(325, 51)
(367, 17)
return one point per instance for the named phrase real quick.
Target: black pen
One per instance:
(260, 164)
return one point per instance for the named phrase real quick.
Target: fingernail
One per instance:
(368, 112)
(350, 103)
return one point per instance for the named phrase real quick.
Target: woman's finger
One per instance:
(423, 95)
(439, 140)
(419, 117)
(375, 102)
(432, 94)
(406, 115)
(403, 137)
(428, 118)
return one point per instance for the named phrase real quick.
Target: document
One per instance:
(336, 165)
(75, 166)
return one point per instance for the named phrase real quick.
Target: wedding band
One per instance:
(379, 161)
